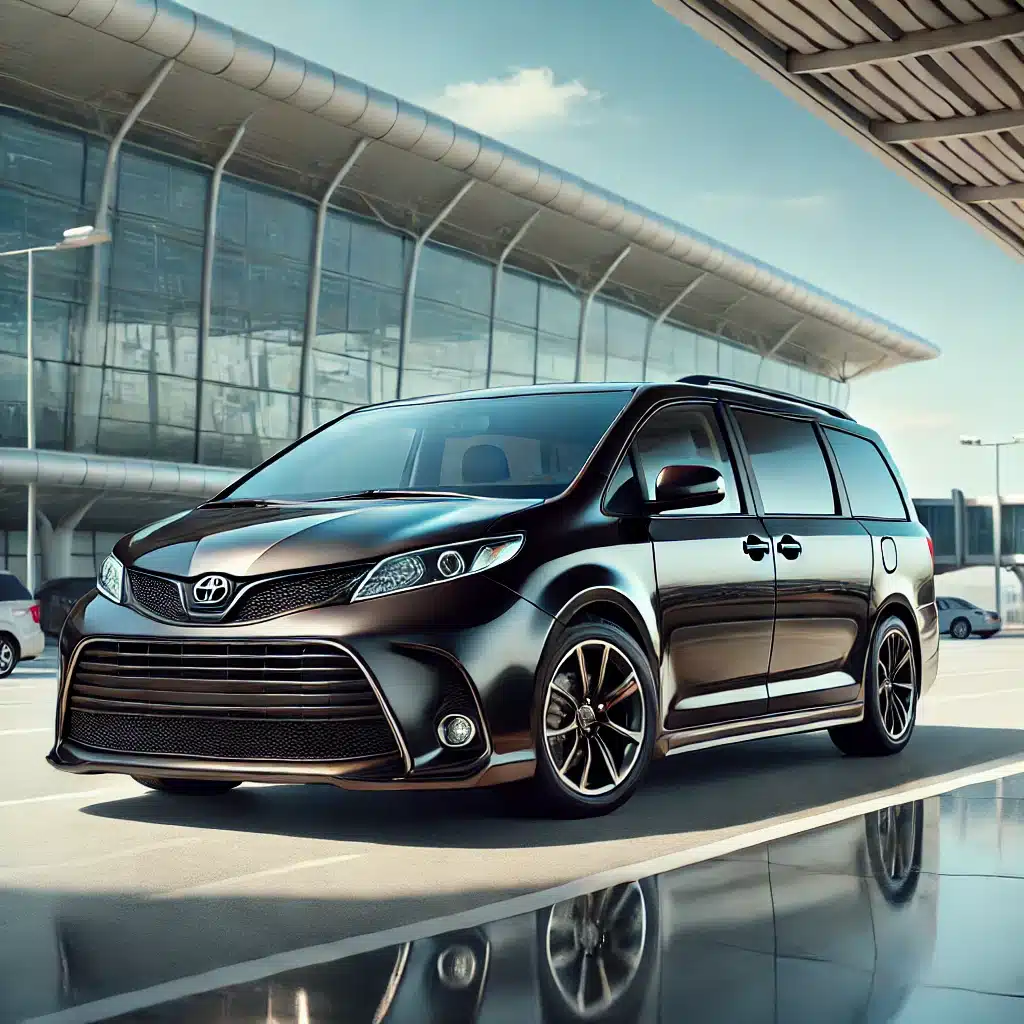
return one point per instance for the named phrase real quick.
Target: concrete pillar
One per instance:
(55, 542)
(1018, 571)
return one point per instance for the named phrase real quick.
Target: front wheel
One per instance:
(595, 716)
(188, 787)
(890, 696)
(960, 629)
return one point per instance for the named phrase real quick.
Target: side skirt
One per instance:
(786, 724)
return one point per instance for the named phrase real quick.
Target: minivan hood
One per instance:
(245, 541)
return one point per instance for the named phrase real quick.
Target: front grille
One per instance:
(265, 700)
(157, 595)
(288, 593)
(265, 599)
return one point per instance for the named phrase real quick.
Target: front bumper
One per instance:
(469, 645)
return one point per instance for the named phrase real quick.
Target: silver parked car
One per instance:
(960, 618)
(21, 637)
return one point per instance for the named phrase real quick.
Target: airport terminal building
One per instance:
(288, 244)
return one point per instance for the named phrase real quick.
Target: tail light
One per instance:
(931, 547)
(34, 612)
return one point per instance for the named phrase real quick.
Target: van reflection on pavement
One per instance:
(836, 924)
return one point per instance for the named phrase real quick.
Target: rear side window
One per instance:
(12, 589)
(870, 485)
(686, 435)
(789, 465)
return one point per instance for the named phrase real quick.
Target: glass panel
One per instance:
(559, 311)
(979, 530)
(869, 484)
(940, 522)
(446, 276)
(42, 159)
(673, 353)
(595, 350)
(447, 351)
(337, 240)
(627, 332)
(523, 446)
(375, 325)
(377, 255)
(242, 427)
(686, 435)
(788, 464)
(168, 192)
(515, 352)
(707, 355)
(517, 299)
(556, 359)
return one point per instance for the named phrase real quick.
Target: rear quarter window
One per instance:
(870, 484)
(12, 589)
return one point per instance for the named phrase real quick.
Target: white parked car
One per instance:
(960, 618)
(21, 636)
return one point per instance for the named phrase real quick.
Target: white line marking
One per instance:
(24, 732)
(86, 862)
(979, 672)
(14, 704)
(301, 865)
(974, 696)
(311, 956)
(86, 794)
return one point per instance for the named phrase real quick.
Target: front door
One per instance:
(716, 579)
(823, 566)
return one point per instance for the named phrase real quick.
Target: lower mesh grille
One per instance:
(276, 700)
(231, 738)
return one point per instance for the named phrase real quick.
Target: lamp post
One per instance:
(74, 238)
(997, 509)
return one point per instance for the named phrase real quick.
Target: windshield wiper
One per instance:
(380, 492)
(248, 503)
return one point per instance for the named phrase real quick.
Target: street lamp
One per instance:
(74, 238)
(997, 508)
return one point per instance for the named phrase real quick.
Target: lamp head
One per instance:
(969, 439)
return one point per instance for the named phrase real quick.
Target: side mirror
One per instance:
(680, 487)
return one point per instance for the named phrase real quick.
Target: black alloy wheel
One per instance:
(890, 696)
(960, 629)
(188, 787)
(595, 715)
(8, 656)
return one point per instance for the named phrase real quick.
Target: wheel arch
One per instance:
(898, 607)
(6, 634)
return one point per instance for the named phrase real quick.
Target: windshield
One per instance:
(517, 446)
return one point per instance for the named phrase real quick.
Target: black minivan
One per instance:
(549, 586)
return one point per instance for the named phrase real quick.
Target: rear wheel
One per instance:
(960, 629)
(890, 696)
(8, 655)
(595, 717)
(188, 787)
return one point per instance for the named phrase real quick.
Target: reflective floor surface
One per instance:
(913, 913)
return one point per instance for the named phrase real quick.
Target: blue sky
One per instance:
(624, 95)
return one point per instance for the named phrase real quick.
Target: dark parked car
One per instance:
(549, 585)
(56, 599)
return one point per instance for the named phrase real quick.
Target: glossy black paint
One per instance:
(736, 611)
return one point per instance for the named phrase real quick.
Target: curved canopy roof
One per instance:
(935, 89)
(306, 120)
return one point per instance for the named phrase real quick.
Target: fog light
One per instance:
(456, 730)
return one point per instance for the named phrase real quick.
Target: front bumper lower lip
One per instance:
(70, 757)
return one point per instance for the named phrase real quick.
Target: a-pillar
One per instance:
(56, 542)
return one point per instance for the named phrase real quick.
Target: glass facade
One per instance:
(118, 346)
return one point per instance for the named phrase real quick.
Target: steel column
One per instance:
(496, 286)
(313, 301)
(206, 285)
(664, 315)
(997, 538)
(30, 429)
(588, 298)
(409, 297)
(789, 332)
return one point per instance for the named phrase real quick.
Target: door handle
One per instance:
(789, 546)
(756, 548)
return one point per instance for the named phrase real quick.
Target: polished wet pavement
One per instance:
(912, 913)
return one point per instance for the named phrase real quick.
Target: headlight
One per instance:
(110, 580)
(435, 565)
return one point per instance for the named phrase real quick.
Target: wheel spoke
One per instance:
(625, 689)
(581, 991)
(599, 685)
(606, 756)
(586, 767)
(565, 695)
(899, 665)
(584, 680)
(562, 731)
(572, 754)
(621, 730)
(900, 716)
(606, 988)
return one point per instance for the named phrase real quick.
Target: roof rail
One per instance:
(702, 380)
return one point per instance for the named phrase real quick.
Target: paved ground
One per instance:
(136, 888)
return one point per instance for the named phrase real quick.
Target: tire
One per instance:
(890, 696)
(895, 842)
(188, 787)
(8, 655)
(959, 629)
(571, 725)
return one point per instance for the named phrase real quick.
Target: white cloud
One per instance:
(529, 98)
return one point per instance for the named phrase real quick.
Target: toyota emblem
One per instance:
(211, 590)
